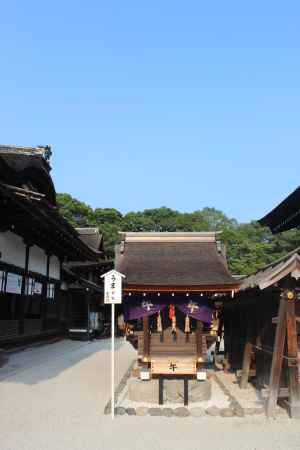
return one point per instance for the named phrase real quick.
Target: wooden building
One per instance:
(285, 216)
(87, 313)
(171, 285)
(35, 243)
(262, 334)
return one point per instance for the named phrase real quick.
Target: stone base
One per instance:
(147, 391)
(294, 409)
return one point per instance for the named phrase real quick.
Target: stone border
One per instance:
(234, 404)
(235, 409)
(120, 387)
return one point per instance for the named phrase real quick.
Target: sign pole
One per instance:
(113, 296)
(112, 360)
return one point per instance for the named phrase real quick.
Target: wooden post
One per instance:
(44, 300)
(146, 337)
(199, 341)
(292, 347)
(186, 391)
(88, 296)
(277, 358)
(23, 292)
(161, 390)
(247, 357)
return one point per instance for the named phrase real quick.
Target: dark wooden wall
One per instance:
(248, 317)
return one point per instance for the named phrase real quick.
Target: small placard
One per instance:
(145, 375)
(201, 376)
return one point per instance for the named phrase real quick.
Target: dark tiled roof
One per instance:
(21, 166)
(285, 216)
(32, 216)
(91, 237)
(175, 263)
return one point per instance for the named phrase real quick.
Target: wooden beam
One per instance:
(181, 289)
(277, 358)
(293, 367)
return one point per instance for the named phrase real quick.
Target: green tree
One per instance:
(108, 216)
(79, 214)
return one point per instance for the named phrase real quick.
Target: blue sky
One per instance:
(162, 103)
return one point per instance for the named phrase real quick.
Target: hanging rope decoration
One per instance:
(159, 323)
(172, 317)
(187, 327)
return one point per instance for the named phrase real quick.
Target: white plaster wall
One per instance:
(54, 269)
(37, 260)
(12, 248)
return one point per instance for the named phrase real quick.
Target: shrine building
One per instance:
(172, 283)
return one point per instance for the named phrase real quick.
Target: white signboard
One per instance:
(113, 287)
(14, 283)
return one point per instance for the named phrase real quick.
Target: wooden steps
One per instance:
(166, 345)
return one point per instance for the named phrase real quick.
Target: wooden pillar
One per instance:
(292, 347)
(44, 296)
(161, 390)
(23, 291)
(219, 332)
(199, 343)
(277, 358)
(58, 296)
(88, 301)
(146, 338)
(228, 337)
(247, 357)
(186, 391)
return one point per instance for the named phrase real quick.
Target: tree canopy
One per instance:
(249, 246)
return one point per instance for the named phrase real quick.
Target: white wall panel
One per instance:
(12, 248)
(54, 269)
(37, 260)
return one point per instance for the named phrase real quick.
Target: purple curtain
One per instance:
(196, 310)
(136, 308)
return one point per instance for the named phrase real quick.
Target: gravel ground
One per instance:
(52, 397)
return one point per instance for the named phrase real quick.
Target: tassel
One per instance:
(171, 312)
(159, 323)
(187, 328)
(174, 324)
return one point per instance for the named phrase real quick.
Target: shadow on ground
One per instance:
(37, 364)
